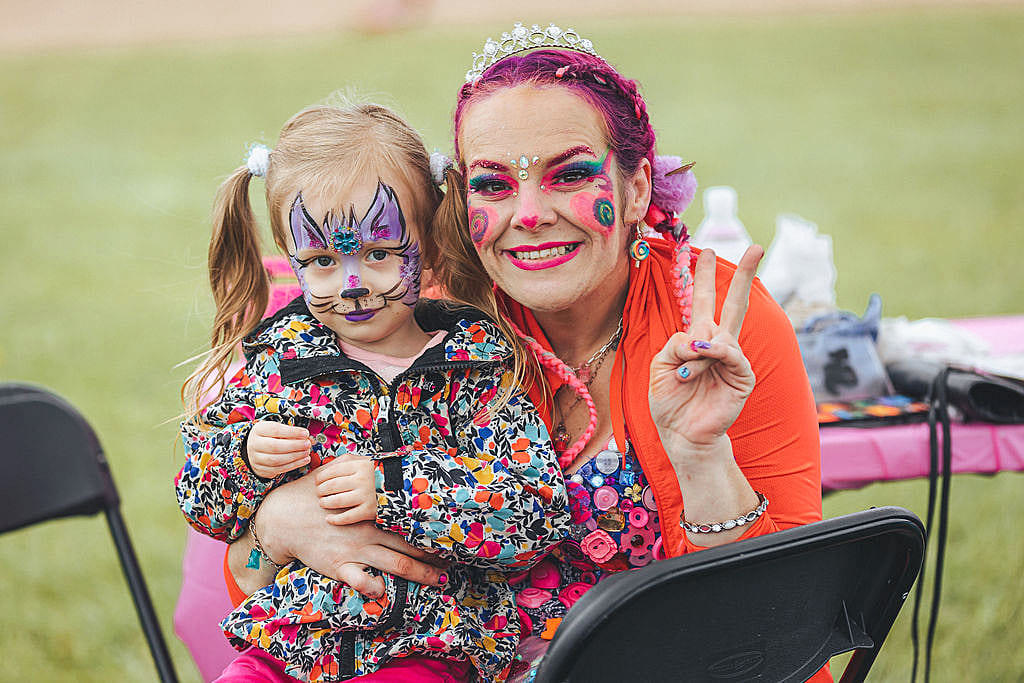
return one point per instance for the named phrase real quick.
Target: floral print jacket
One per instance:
(484, 491)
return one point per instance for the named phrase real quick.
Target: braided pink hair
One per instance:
(553, 362)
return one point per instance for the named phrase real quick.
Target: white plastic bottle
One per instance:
(721, 229)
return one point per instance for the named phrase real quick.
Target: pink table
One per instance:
(850, 458)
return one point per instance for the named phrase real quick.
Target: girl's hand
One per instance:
(701, 379)
(348, 483)
(274, 448)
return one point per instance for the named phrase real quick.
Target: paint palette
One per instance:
(893, 409)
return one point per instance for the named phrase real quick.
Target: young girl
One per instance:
(411, 399)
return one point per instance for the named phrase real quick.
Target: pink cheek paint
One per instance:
(482, 220)
(595, 211)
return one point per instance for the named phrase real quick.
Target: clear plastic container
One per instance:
(721, 228)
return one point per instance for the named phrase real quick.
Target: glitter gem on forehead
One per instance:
(523, 163)
(344, 240)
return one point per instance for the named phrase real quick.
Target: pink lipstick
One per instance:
(556, 254)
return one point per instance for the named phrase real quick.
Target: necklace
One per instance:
(586, 374)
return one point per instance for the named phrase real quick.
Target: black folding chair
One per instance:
(772, 608)
(54, 467)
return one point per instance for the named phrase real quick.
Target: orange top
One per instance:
(775, 437)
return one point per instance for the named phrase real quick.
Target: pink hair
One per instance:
(553, 362)
(631, 139)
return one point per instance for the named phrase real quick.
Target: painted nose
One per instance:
(532, 211)
(354, 293)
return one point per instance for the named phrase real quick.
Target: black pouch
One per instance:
(977, 396)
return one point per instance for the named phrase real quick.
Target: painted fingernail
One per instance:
(442, 579)
(698, 345)
(683, 372)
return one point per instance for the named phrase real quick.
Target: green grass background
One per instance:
(898, 132)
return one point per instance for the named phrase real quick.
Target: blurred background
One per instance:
(895, 126)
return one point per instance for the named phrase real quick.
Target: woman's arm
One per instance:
(292, 525)
(725, 436)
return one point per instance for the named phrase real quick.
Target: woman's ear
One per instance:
(637, 195)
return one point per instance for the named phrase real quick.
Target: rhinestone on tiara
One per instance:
(521, 39)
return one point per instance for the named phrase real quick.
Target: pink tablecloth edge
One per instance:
(853, 457)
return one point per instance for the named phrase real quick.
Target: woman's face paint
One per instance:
(555, 239)
(481, 218)
(356, 273)
(593, 198)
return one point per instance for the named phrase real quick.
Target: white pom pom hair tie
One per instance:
(258, 159)
(439, 163)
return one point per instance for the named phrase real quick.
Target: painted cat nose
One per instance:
(354, 293)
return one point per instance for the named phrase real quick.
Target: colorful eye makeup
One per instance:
(493, 185)
(575, 173)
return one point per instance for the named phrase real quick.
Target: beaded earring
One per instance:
(639, 249)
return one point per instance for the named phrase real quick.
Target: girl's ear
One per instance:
(637, 195)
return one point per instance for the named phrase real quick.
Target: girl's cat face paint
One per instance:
(357, 272)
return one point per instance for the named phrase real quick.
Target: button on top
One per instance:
(607, 462)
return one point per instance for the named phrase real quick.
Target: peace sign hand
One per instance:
(701, 379)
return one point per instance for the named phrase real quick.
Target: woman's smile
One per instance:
(541, 256)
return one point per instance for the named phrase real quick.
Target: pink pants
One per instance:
(256, 666)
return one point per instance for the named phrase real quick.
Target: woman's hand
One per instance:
(292, 525)
(701, 379)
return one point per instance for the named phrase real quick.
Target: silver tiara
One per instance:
(521, 39)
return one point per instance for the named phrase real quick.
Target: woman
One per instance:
(554, 174)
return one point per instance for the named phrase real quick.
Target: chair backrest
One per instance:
(772, 608)
(53, 463)
(53, 466)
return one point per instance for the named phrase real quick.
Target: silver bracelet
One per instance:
(715, 527)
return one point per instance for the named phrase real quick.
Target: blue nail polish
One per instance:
(683, 372)
(699, 345)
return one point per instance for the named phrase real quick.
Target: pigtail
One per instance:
(240, 289)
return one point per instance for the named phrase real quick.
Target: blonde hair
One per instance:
(326, 147)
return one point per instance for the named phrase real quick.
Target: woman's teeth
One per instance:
(544, 253)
